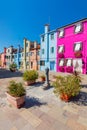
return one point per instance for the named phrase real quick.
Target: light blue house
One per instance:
(18, 57)
(48, 49)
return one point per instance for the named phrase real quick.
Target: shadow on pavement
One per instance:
(32, 102)
(80, 100)
(8, 74)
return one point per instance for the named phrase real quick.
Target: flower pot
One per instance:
(78, 54)
(16, 101)
(42, 79)
(61, 69)
(64, 97)
(69, 69)
(61, 55)
(29, 82)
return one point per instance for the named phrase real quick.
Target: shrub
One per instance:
(69, 85)
(30, 75)
(13, 66)
(16, 89)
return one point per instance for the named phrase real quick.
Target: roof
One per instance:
(81, 20)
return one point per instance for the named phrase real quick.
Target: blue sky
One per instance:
(26, 18)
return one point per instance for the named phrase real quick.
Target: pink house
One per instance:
(3, 59)
(72, 47)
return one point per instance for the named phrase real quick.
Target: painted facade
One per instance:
(9, 56)
(18, 57)
(3, 59)
(35, 57)
(30, 55)
(72, 47)
(48, 49)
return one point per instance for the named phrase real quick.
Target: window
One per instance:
(52, 36)
(68, 62)
(27, 62)
(26, 44)
(52, 49)
(61, 33)
(31, 64)
(42, 51)
(27, 54)
(78, 28)
(60, 49)
(42, 63)
(19, 55)
(38, 62)
(43, 38)
(8, 50)
(61, 62)
(22, 54)
(38, 52)
(31, 53)
(78, 46)
(15, 56)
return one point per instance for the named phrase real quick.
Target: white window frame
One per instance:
(61, 48)
(61, 33)
(78, 28)
(77, 46)
(69, 62)
(61, 62)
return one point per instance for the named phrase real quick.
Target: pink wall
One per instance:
(3, 59)
(68, 41)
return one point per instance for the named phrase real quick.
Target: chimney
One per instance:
(4, 49)
(47, 28)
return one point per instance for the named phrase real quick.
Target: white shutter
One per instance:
(61, 62)
(69, 62)
(78, 28)
(61, 33)
(60, 48)
(77, 47)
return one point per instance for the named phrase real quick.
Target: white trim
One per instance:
(61, 62)
(78, 28)
(61, 33)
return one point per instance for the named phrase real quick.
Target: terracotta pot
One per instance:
(42, 79)
(16, 101)
(65, 97)
(29, 82)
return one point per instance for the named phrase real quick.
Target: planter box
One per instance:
(16, 101)
(78, 54)
(29, 82)
(61, 69)
(69, 69)
(61, 55)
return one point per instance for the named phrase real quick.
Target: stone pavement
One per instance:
(42, 110)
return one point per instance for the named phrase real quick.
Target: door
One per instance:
(52, 65)
(77, 64)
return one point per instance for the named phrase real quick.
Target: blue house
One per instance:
(48, 49)
(18, 57)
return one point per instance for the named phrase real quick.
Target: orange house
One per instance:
(35, 58)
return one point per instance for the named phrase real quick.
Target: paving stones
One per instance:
(42, 110)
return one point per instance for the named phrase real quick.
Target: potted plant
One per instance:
(42, 77)
(30, 76)
(16, 94)
(78, 54)
(13, 67)
(61, 68)
(67, 86)
(61, 55)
